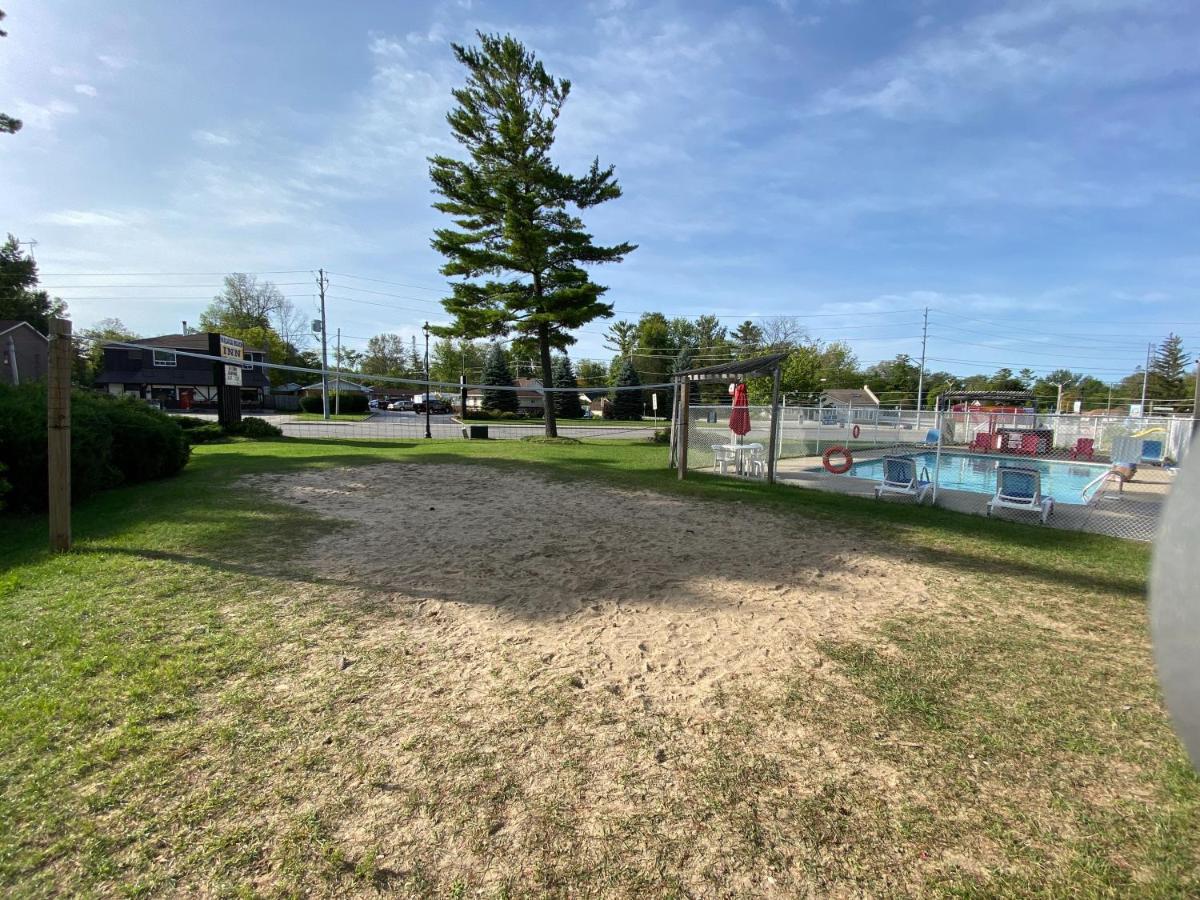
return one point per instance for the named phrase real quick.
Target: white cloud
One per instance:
(43, 116)
(212, 138)
(83, 218)
(86, 89)
(1025, 51)
(115, 61)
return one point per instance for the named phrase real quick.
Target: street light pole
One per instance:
(428, 433)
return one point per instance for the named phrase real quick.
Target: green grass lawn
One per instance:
(161, 732)
(342, 417)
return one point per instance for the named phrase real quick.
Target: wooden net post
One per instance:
(58, 434)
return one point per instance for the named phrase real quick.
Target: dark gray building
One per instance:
(159, 371)
(23, 352)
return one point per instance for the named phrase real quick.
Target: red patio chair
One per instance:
(981, 442)
(1029, 444)
(1085, 448)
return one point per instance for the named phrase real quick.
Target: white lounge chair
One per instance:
(1020, 489)
(900, 477)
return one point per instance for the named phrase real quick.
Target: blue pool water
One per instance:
(1062, 480)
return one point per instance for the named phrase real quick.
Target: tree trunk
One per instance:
(547, 380)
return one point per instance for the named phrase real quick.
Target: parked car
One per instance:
(373, 403)
(400, 405)
(437, 405)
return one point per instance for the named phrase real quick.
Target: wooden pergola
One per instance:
(732, 371)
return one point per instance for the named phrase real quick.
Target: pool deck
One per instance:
(1132, 513)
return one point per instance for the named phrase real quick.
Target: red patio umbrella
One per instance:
(739, 418)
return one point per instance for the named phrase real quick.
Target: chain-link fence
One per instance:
(1099, 473)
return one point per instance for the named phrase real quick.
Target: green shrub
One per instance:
(542, 439)
(348, 403)
(187, 423)
(502, 415)
(4, 486)
(254, 427)
(114, 440)
(206, 434)
(661, 436)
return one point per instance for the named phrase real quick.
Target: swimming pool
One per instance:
(976, 472)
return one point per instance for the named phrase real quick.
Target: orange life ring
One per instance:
(843, 467)
(857, 431)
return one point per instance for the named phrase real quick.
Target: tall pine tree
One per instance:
(496, 372)
(511, 208)
(627, 404)
(1169, 369)
(566, 403)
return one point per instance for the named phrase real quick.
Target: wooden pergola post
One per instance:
(775, 425)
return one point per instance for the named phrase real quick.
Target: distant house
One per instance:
(529, 398)
(159, 371)
(24, 350)
(849, 397)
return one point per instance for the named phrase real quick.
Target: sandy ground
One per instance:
(662, 602)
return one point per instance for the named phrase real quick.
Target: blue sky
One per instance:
(1028, 170)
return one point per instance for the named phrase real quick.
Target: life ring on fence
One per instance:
(857, 431)
(841, 468)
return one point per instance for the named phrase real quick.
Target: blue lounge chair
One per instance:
(931, 438)
(1021, 489)
(900, 477)
(1153, 451)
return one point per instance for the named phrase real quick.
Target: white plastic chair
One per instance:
(723, 458)
(757, 455)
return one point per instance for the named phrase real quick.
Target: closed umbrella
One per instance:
(739, 418)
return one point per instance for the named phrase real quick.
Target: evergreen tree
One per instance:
(566, 403)
(511, 208)
(747, 338)
(20, 298)
(1169, 369)
(8, 125)
(495, 371)
(627, 404)
(683, 360)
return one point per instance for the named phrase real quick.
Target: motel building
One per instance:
(159, 372)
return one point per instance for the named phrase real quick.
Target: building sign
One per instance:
(233, 376)
(232, 348)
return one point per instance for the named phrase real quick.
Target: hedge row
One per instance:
(114, 440)
(345, 402)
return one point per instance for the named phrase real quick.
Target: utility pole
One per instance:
(921, 376)
(428, 433)
(322, 283)
(1146, 377)
(337, 381)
